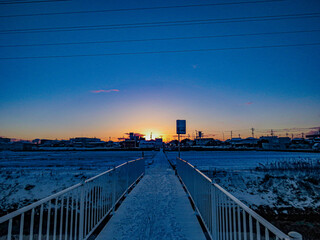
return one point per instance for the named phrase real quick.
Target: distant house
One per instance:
(22, 146)
(87, 142)
(300, 143)
(158, 143)
(5, 143)
(314, 136)
(187, 142)
(128, 143)
(4, 140)
(203, 141)
(249, 143)
(275, 143)
(147, 144)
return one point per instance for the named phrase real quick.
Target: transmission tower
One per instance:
(252, 132)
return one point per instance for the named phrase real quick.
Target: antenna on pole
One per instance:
(252, 132)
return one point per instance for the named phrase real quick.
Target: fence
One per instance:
(224, 216)
(75, 212)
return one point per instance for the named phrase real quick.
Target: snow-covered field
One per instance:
(29, 176)
(236, 172)
(289, 199)
(236, 160)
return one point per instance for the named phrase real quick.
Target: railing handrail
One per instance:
(54, 196)
(37, 203)
(201, 173)
(110, 170)
(260, 219)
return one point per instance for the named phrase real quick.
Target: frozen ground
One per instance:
(236, 160)
(289, 199)
(29, 176)
(276, 189)
(157, 208)
(235, 171)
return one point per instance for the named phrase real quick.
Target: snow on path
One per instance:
(157, 208)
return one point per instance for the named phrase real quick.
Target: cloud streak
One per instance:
(105, 90)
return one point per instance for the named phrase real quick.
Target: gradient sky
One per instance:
(107, 96)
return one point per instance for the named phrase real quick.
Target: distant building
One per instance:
(5, 143)
(314, 136)
(127, 143)
(22, 146)
(249, 143)
(4, 140)
(187, 142)
(158, 143)
(300, 143)
(87, 142)
(203, 141)
(275, 143)
(151, 144)
(147, 144)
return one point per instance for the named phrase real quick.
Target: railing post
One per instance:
(113, 190)
(295, 235)
(214, 221)
(127, 177)
(81, 217)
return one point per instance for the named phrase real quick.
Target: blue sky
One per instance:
(215, 91)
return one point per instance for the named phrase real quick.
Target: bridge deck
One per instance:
(157, 208)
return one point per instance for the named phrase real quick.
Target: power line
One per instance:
(158, 39)
(23, 2)
(162, 23)
(140, 9)
(162, 52)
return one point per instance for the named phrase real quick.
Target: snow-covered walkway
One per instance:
(157, 208)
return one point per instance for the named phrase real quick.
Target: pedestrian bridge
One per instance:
(134, 201)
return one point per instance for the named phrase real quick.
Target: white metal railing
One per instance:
(75, 212)
(224, 216)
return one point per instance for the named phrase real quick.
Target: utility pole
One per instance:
(252, 132)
